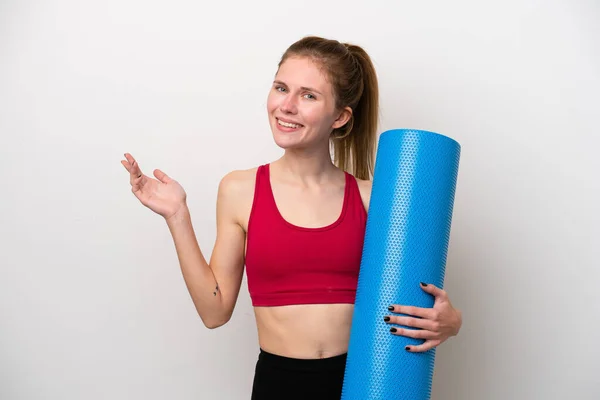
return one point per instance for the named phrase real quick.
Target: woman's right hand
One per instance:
(163, 195)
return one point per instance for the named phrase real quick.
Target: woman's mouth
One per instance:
(288, 126)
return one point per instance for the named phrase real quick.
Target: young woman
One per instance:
(297, 224)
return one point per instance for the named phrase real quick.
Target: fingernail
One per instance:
(393, 330)
(423, 283)
(386, 319)
(391, 308)
(407, 348)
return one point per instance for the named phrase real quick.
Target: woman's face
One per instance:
(301, 105)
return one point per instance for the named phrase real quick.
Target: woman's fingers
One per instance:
(427, 345)
(137, 183)
(414, 333)
(161, 176)
(411, 322)
(132, 165)
(136, 177)
(125, 164)
(128, 160)
(420, 312)
(133, 168)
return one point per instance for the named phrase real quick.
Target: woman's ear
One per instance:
(342, 118)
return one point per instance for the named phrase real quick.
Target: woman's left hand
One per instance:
(435, 324)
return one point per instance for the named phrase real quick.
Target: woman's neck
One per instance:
(314, 167)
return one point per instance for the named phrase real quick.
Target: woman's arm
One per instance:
(214, 287)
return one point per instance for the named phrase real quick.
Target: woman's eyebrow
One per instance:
(303, 87)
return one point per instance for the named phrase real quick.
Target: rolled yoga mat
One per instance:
(406, 242)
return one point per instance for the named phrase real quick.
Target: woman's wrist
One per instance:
(181, 215)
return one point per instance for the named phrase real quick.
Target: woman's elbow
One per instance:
(215, 323)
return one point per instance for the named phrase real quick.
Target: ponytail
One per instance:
(354, 150)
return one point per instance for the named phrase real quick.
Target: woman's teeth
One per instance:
(287, 124)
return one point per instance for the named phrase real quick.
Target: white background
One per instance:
(92, 302)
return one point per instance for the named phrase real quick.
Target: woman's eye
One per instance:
(309, 96)
(279, 88)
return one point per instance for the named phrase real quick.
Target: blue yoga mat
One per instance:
(406, 242)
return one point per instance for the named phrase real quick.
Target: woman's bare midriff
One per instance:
(305, 331)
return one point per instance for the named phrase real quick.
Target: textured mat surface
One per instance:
(406, 242)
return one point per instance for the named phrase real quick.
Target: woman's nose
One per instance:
(288, 105)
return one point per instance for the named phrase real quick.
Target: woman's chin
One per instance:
(285, 140)
(284, 143)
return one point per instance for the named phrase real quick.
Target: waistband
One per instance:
(312, 364)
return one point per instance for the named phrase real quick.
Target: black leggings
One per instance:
(278, 378)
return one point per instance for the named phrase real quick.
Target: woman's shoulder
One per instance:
(238, 181)
(235, 194)
(364, 187)
(364, 184)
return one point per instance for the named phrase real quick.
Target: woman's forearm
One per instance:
(198, 276)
